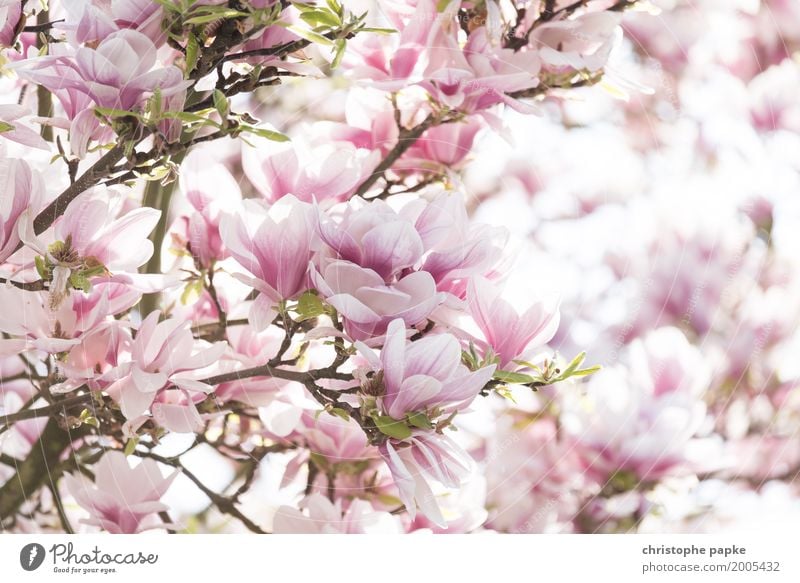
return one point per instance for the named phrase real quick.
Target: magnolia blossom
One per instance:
(456, 247)
(163, 355)
(480, 75)
(306, 171)
(441, 147)
(424, 375)
(368, 304)
(424, 459)
(643, 418)
(37, 326)
(91, 21)
(12, 129)
(326, 517)
(21, 189)
(378, 263)
(391, 61)
(507, 332)
(208, 187)
(274, 244)
(373, 236)
(123, 499)
(337, 440)
(11, 18)
(97, 236)
(582, 43)
(119, 73)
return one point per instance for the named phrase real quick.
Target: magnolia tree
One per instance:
(274, 266)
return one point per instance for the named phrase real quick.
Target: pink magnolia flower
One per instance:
(118, 74)
(378, 263)
(309, 172)
(281, 403)
(441, 147)
(337, 440)
(91, 21)
(123, 499)
(93, 361)
(97, 236)
(456, 248)
(37, 326)
(391, 62)
(373, 236)
(274, 244)
(583, 42)
(535, 478)
(368, 303)
(643, 418)
(424, 375)
(505, 330)
(209, 187)
(419, 461)
(370, 122)
(163, 355)
(12, 20)
(12, 129)
(21, 189)
(480, 75)
(326, 517)
(101, 224)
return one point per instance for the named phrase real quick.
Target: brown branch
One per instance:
(406, 139)
(38, 285)
(48, 410)
(88, 179)
(224, 504)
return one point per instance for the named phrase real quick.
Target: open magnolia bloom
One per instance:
(448, 266)
(123, 499)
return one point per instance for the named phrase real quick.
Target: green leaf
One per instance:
(265, 133)
(341, 413)
(88, 419)
(336, 8)
(419, 420)
(341, 45)
(111, 112)
(80, 281)
(309, 306)
(311, 36)
(41, 268)
(512, 378)
(189, 117)
(320, 18)
(506, 394)
(192, 292)
(582, 372)
(573, 366)
(211, 16)
(221, 103)
(192, 51)
(5, 127)
(392, 427)
(131, 445)
(169, 5)
(377, 30)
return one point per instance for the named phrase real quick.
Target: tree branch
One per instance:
(405, 140)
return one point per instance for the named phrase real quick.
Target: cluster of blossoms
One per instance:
(263, 268)
(674, 247)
